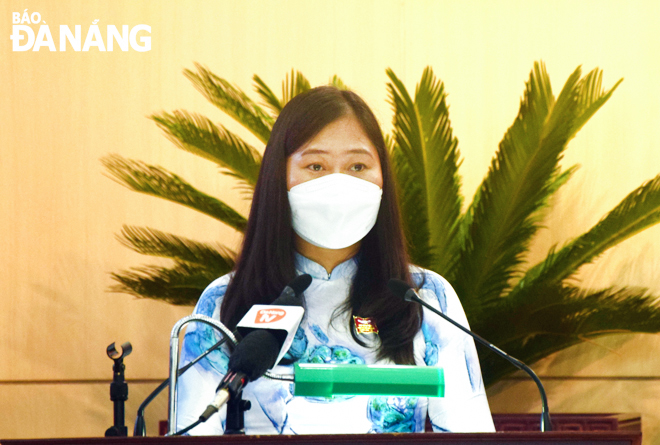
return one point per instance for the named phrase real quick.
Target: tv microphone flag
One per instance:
(282, 321)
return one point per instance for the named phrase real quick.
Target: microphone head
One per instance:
(301, 283)
(256, 354)
(291, 294)
(400, 289)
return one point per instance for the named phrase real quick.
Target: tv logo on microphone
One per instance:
(24, 39)
(269, 315)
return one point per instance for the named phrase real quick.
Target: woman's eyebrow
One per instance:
(360, 151)
(313, 151)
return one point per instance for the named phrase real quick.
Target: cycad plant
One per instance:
(529, 312)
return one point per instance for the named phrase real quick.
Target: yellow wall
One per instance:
(62, 111)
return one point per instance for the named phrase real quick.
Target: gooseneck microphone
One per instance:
(403, 290)
(260, 348)
(140, 428)
(253, 356)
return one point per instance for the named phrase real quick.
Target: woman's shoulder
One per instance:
(433, 287)
(209, 302)
(427, 279)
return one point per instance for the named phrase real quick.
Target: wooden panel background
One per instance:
(60, 112)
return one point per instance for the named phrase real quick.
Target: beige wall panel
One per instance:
(593, 396)
(616, 374)
(72, 410)
(62, 111)
(621, 355)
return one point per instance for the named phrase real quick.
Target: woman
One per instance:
(325, 204)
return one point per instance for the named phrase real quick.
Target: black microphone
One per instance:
(252, 357)
(403, 290)
(257, 352)
(290, 296)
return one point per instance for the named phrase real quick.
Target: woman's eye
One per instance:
(315, 167)
(358, 167)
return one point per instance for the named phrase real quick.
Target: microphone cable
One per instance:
(140, 428)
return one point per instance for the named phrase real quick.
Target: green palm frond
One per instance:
(409, 173)
(504, 215)
(555, 183)
(181, 284)
(638, 211)
(156, 181)
(293, 85)
(232, 101)
(562, 316)
(560, 179)
(591, 97)
(426, 160)
(338, 83)
(153, 242)
(415, 222)
(198, 135)
(268, 97)
(442, 159)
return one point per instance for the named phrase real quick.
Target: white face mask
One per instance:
(334, 211)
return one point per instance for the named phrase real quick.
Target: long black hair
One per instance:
(266, 262)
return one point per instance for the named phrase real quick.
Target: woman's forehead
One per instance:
(342, 136)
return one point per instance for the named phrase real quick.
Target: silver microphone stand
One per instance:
(174, 359)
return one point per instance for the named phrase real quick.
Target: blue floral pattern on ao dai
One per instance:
(275, 410)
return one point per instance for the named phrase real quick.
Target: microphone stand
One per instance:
(545, 415)
(118, 389)
(236, 408)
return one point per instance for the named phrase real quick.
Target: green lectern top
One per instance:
(327, 380)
